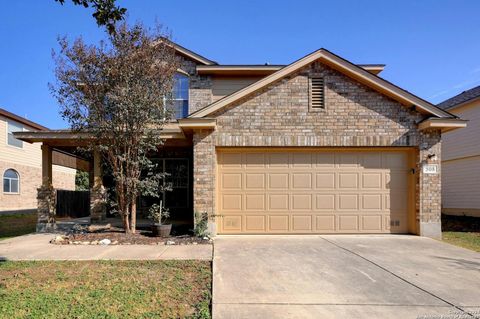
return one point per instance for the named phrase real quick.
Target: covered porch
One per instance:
(175, 157)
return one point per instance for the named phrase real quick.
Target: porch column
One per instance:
(97, 192)
(429, 185)
(204, 162)
(46, 194)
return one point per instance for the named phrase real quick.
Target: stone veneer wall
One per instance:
(30, 180)
(204, 168)
(354, 115)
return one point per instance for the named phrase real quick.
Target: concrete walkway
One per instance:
(343, 277)
(37, 247)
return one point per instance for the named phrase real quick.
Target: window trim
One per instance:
(10, 182)
(310, 87)
(8, 121)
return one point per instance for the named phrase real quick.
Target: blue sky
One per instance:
(431, 47)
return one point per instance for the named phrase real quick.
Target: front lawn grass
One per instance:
(17, 225)
(463, 231)
(105, 289)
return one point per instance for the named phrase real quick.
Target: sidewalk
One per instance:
(37, 247)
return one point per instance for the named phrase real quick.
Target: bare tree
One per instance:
(119, 92)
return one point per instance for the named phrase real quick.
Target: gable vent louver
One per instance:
(317, 93)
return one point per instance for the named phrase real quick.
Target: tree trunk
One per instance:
(133, 217)
(126, 224)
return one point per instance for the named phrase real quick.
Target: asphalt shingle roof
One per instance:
(460, 98)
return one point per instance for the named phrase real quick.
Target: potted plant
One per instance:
(159, 214)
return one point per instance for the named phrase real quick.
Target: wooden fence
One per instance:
(73, 204)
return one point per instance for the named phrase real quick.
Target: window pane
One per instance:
(6, 185)
(13, 141)
(180, 108)
(14, 185)
(14, 127)
(180, 87)
(10, 173)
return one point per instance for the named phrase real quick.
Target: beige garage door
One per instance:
(313, 192)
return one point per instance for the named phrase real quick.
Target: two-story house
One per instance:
(21, 165)
(320, 145)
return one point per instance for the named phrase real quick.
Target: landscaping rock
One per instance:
(105, 241)
(170, 242)
(60, 239)
(98, 228)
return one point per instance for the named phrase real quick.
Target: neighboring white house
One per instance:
(461, 157)
(20, 166)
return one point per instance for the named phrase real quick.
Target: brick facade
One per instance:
(354, 115)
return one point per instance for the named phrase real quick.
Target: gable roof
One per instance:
(340, 64)
(192, 55)
(263, 69)
(457, 100)
(22, 120)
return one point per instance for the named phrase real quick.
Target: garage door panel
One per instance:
(347, 159)
(301, 202)
(325, 202)
(230, 160)
(325, 180)
(278, 160)
(348, 223)
(371, 160)
(372, 223)
(347, 180)
(278, 223)
(255, 202)
(396, 180)
(347, 202)
(301, 181)
(254, 181)
(371, 201)
(301, 160)
(255, 223)
(254, 160)
(278, 202)
(302, 223)
(313, 192)
(232, 223)
(231, 202)
(278, 181)
(231, 181)
(325, 160)
(372, 181)
(325, 223)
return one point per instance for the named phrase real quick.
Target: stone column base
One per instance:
(431, 229)
(46, 199)
(98, 210)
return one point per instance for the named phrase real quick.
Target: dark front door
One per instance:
(179, 199)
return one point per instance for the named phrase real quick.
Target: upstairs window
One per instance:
(317, 93)
(11, 182)
(180, 96)
(14, 127)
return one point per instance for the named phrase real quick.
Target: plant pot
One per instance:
(161, 230)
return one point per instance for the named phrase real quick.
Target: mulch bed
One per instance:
(116, 236)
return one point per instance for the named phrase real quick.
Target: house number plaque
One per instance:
(430, 168)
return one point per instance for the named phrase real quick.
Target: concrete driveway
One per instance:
(343, 277)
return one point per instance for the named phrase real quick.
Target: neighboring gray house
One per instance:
(461, 157)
